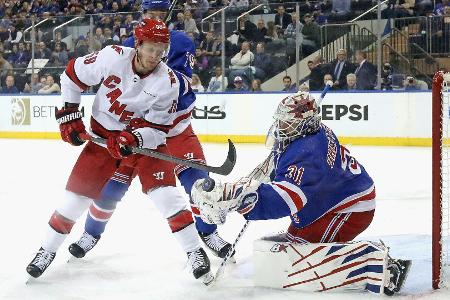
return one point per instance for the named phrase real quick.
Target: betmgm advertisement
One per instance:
(29, 116)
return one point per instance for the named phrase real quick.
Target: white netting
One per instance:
(445, 173)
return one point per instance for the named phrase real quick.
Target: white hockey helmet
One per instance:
(296, 115)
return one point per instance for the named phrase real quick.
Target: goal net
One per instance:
(441, 180)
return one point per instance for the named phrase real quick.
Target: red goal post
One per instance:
(441, 180)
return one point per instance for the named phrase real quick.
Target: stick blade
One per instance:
(229, 163)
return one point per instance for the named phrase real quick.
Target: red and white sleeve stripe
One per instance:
(291, 194)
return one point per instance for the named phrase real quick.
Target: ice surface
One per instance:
(138, 258)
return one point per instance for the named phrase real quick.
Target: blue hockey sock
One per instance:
(187, 179)
(101, 211)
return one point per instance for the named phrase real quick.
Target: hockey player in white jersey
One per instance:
(134, 106)
(181, 141)
(330, 199)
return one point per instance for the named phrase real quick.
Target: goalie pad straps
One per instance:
(321, 267)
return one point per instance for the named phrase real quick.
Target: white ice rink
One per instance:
(137, 257)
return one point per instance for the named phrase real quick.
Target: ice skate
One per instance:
(218, 246)
(83, 245)
(398, 271)
(40, 262)
(200, 265)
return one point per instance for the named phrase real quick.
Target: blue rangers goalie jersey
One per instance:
(313, 176)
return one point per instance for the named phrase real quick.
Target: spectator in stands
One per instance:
(290, 34)
(9, 87)
(261, 31)
(215, 84)
(42, 52)
(262, 62)
(14, 35)
(109, 39)
(256, 86)
(412, 83)
(386, 76)
(440, 28)
(247, 30)
(196, 84)
(422, 7)
(59, 56)
(366, 72)
(118, 28)
(81, 47)
(238, 84)
(340, 68)
(50, 86)
(201, 9)
(58, 39)
(23, 56)
(240, 63)
(238, 6)
(311, 35)
(210, 48)
(288, 86)
(317, 72)
(34, 86)
(189, 23)
(98, 36)
(178, 24)
(272, 36)
(340, 10)
(282, 19)
(399, 9)
(439, 7)
(351, 82)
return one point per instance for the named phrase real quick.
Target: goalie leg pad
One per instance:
(320, 267)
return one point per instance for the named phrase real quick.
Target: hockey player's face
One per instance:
(150, 54)
(155, 14)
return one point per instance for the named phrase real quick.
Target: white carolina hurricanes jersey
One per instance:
(123, 95)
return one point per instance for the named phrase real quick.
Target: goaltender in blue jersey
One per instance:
(326, 192)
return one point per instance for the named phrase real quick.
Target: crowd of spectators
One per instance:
(259, 47)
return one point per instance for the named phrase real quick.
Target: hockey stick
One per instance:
(170, 10)
(328, 87)
(224, 169)
(230, 253)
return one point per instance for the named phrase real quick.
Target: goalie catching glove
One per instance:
(70, 124)
(224, 198)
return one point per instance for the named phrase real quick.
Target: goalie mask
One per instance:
(296, 115)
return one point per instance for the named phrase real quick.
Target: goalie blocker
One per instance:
(335, 267)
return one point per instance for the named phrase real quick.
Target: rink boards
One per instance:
(372, 118)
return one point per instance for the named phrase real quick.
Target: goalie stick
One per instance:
(224, 169)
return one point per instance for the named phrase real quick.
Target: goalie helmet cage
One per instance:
(441, 180)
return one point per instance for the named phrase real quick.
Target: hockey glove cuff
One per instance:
(70, 125)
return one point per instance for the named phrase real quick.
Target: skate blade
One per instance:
(207, 279)
(30, 279)
(231, 260)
